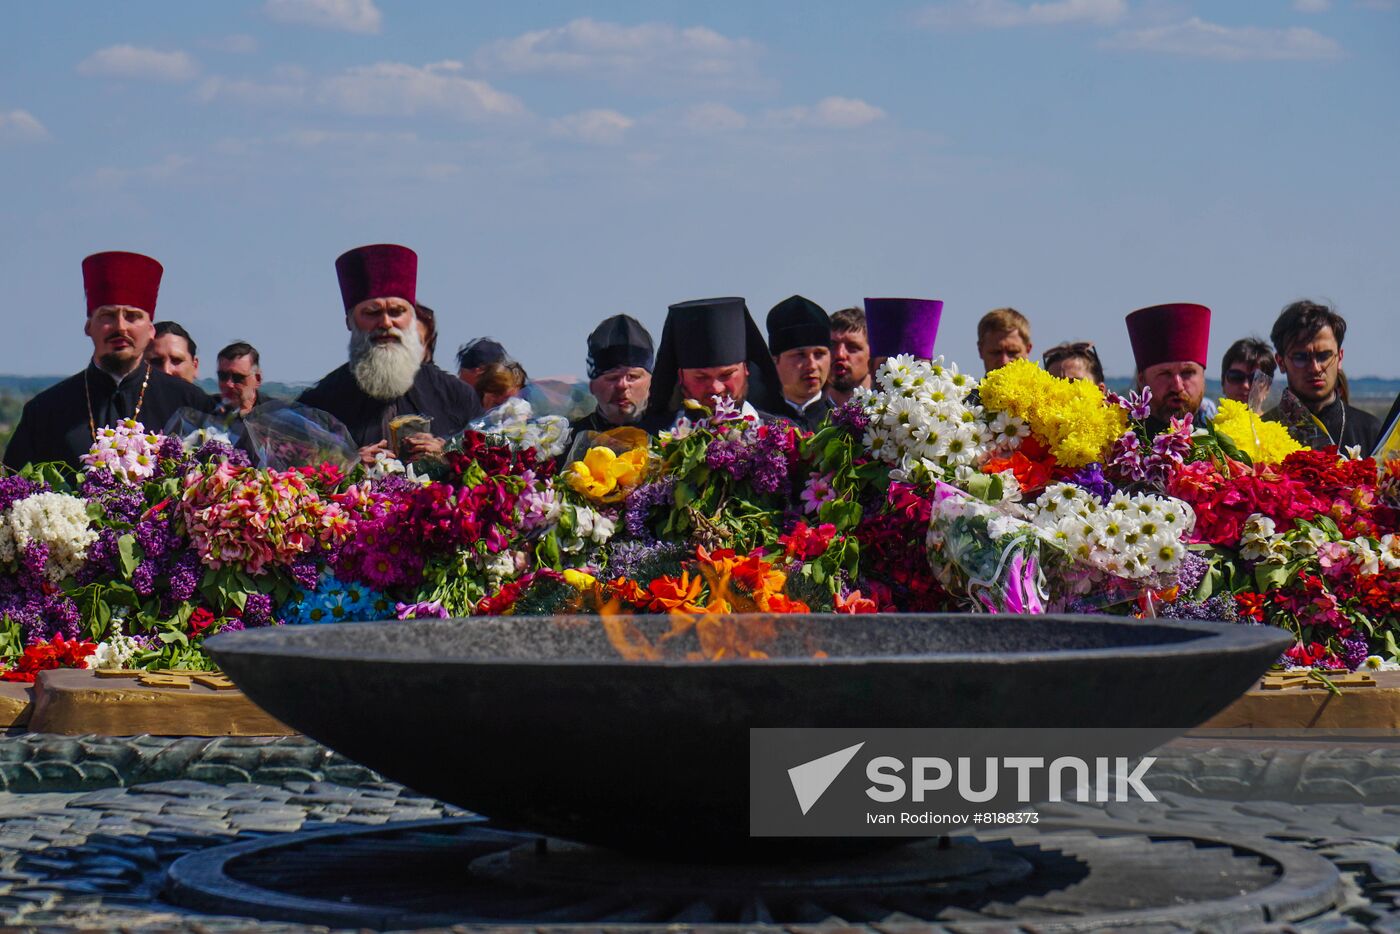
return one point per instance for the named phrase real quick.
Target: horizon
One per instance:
(556, 164)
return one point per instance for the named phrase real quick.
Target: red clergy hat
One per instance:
(117, 278)
(1168, 333)
(381, 270)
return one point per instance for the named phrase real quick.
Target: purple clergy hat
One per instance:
(902, 325)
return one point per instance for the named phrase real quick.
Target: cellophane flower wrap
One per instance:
(985, 549)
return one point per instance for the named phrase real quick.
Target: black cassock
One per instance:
(444, 398)
(54, 425)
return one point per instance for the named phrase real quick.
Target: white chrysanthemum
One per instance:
(59, 521)
(1135, 536)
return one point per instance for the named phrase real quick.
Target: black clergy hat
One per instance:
(712, 332)
(619, 341)
(797, 322)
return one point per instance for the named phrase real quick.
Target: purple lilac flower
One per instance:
(233, 625)
(305, 574)
(219, 450)
(155, 538)
(184, 576)
(627, 558)
(15, 488)
(171, 448)
(143, 579)
(1216, 608)
(640, 502)
(851, 416)
(33, 562)
(101, 559)
(257, 609)
(1191, 571)
(1354, 652)
(1091, 479)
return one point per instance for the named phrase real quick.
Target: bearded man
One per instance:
(711, 349)
(1170, 345)
(61, 423)
(385, 377)
(620, 360)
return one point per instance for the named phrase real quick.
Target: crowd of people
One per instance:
(806, 364)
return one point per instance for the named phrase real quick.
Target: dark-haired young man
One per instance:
(1307, 340)
(173, 352)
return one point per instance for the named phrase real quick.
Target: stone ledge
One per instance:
(77, 703)
(1303, 706)
(16, 704)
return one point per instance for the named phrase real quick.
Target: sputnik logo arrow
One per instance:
(810, 780)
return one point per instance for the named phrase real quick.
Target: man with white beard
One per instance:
(385, 378)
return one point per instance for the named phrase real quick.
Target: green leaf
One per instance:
(1270, 576)
(126, 554)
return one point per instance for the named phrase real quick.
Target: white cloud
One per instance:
(610, 50)
(170, 167)
(1197, 38)
(257, 93)
(603, 127)
(240, 44)
(395, 89)
(1003, 14)
(710, 118)
(1312, 6)
(347, 15)
(831, 113)
(21, 126)
(129, 61)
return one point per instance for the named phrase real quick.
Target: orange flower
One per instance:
(668, 593)
(781, 603)
(855, 603)
(758, 575)
(628, 590)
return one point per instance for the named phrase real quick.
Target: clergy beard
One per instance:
(385, 370)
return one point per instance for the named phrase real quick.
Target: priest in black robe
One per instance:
(799, 337)
(385, 378)
(711, 348)
(61, 423)
(620, 361)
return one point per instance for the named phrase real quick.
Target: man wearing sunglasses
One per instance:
(1307, 340)
(240, 378)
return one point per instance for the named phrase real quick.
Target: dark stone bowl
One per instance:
(539, 724)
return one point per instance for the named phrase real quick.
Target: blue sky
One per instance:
(556, 163)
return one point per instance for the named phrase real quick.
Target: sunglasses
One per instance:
(1239, 377)
(1063, 351)
(227, 376)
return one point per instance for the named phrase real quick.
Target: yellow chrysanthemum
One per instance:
(1264, 442)
(606, 476)
(1070, 416)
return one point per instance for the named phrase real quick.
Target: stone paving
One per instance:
(88, 826)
